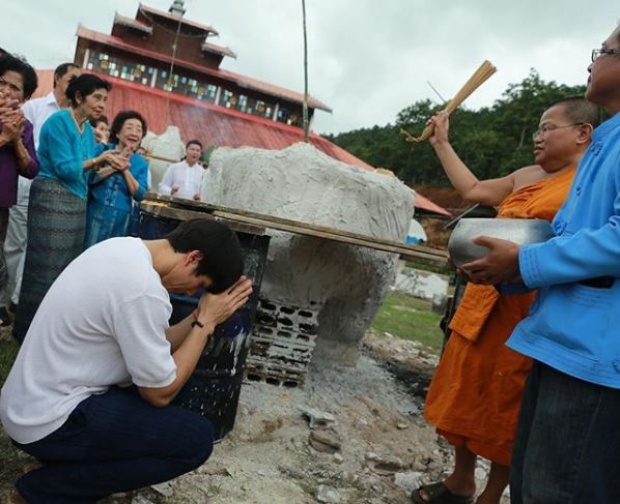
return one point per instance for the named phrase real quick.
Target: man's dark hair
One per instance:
(194, 142)
(12, 63)
(222, 256)
(579, 110)
(119, 120)
(62, 69)
(85, 85)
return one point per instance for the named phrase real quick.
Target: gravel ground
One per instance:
(350, 435)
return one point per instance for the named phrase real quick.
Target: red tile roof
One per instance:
(218, 126)
(218, 49)
(427, 205)
(150, 10)
(132, 23)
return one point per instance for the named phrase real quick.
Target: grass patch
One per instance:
(432, 268)
(8, 352)
(10, 465)
(410, 318)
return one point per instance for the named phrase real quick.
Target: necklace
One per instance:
(77, 124)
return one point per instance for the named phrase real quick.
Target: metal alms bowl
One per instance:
(521, 231)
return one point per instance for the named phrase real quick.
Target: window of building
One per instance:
(288, 117)
(104, 63)
(116, 67)
(228, 99)
(263, 109)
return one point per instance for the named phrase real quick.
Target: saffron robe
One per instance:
(475, 395)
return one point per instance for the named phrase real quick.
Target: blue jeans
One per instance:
(567, 443)
(114, 442)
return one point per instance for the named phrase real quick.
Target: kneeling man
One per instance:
(91, 392)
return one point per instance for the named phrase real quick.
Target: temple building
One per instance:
(164, 51)
(164, 66)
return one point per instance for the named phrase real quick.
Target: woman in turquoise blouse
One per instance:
(112, 189)
(57, 207)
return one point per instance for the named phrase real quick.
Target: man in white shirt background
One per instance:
(184, 179)
(36, 111)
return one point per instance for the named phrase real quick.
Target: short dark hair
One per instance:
(194, 142)
(579, 110)
(119, 120)
(62, 69)
(13, 63)
(85, 85)
(101, 119)
(222, 255)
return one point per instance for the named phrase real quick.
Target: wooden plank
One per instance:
(294, 226)
(208, 207)
(392, 247)
(182, 214)
(415, 252)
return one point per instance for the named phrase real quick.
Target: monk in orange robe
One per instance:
(475, 395)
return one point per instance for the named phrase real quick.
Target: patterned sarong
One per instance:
(56, 224)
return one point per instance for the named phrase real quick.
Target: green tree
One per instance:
(493, 141)
(518, 112)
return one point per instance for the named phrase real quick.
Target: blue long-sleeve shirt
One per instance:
(573, 324)
(113, 191)
(63, 150)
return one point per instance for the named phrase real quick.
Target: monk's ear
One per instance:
(585, 133)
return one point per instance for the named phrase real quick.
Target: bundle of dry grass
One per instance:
(475, 81)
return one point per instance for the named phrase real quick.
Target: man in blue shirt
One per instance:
(568, 436)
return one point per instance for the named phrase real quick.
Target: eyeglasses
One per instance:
(11, 86)
(543, 130)
(597, 53)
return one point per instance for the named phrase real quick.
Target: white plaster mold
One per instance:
(347, 283)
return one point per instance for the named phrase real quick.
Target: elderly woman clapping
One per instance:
(114, 188)
(57, 208)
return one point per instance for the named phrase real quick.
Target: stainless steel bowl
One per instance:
(521, 231)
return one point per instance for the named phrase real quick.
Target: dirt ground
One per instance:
(350, 435)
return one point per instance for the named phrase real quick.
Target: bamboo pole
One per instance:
(306, 123)
(484, 71)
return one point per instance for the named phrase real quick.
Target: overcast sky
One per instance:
(368, 59)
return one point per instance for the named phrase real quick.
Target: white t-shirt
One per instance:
(37, 111)
(102, 323)
(187, 178)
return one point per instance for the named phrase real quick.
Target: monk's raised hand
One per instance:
(441, 127)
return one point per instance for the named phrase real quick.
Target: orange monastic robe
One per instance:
(475, 395)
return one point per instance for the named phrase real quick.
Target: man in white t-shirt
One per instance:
(184, 179)
(36, 111)
(91, 389)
